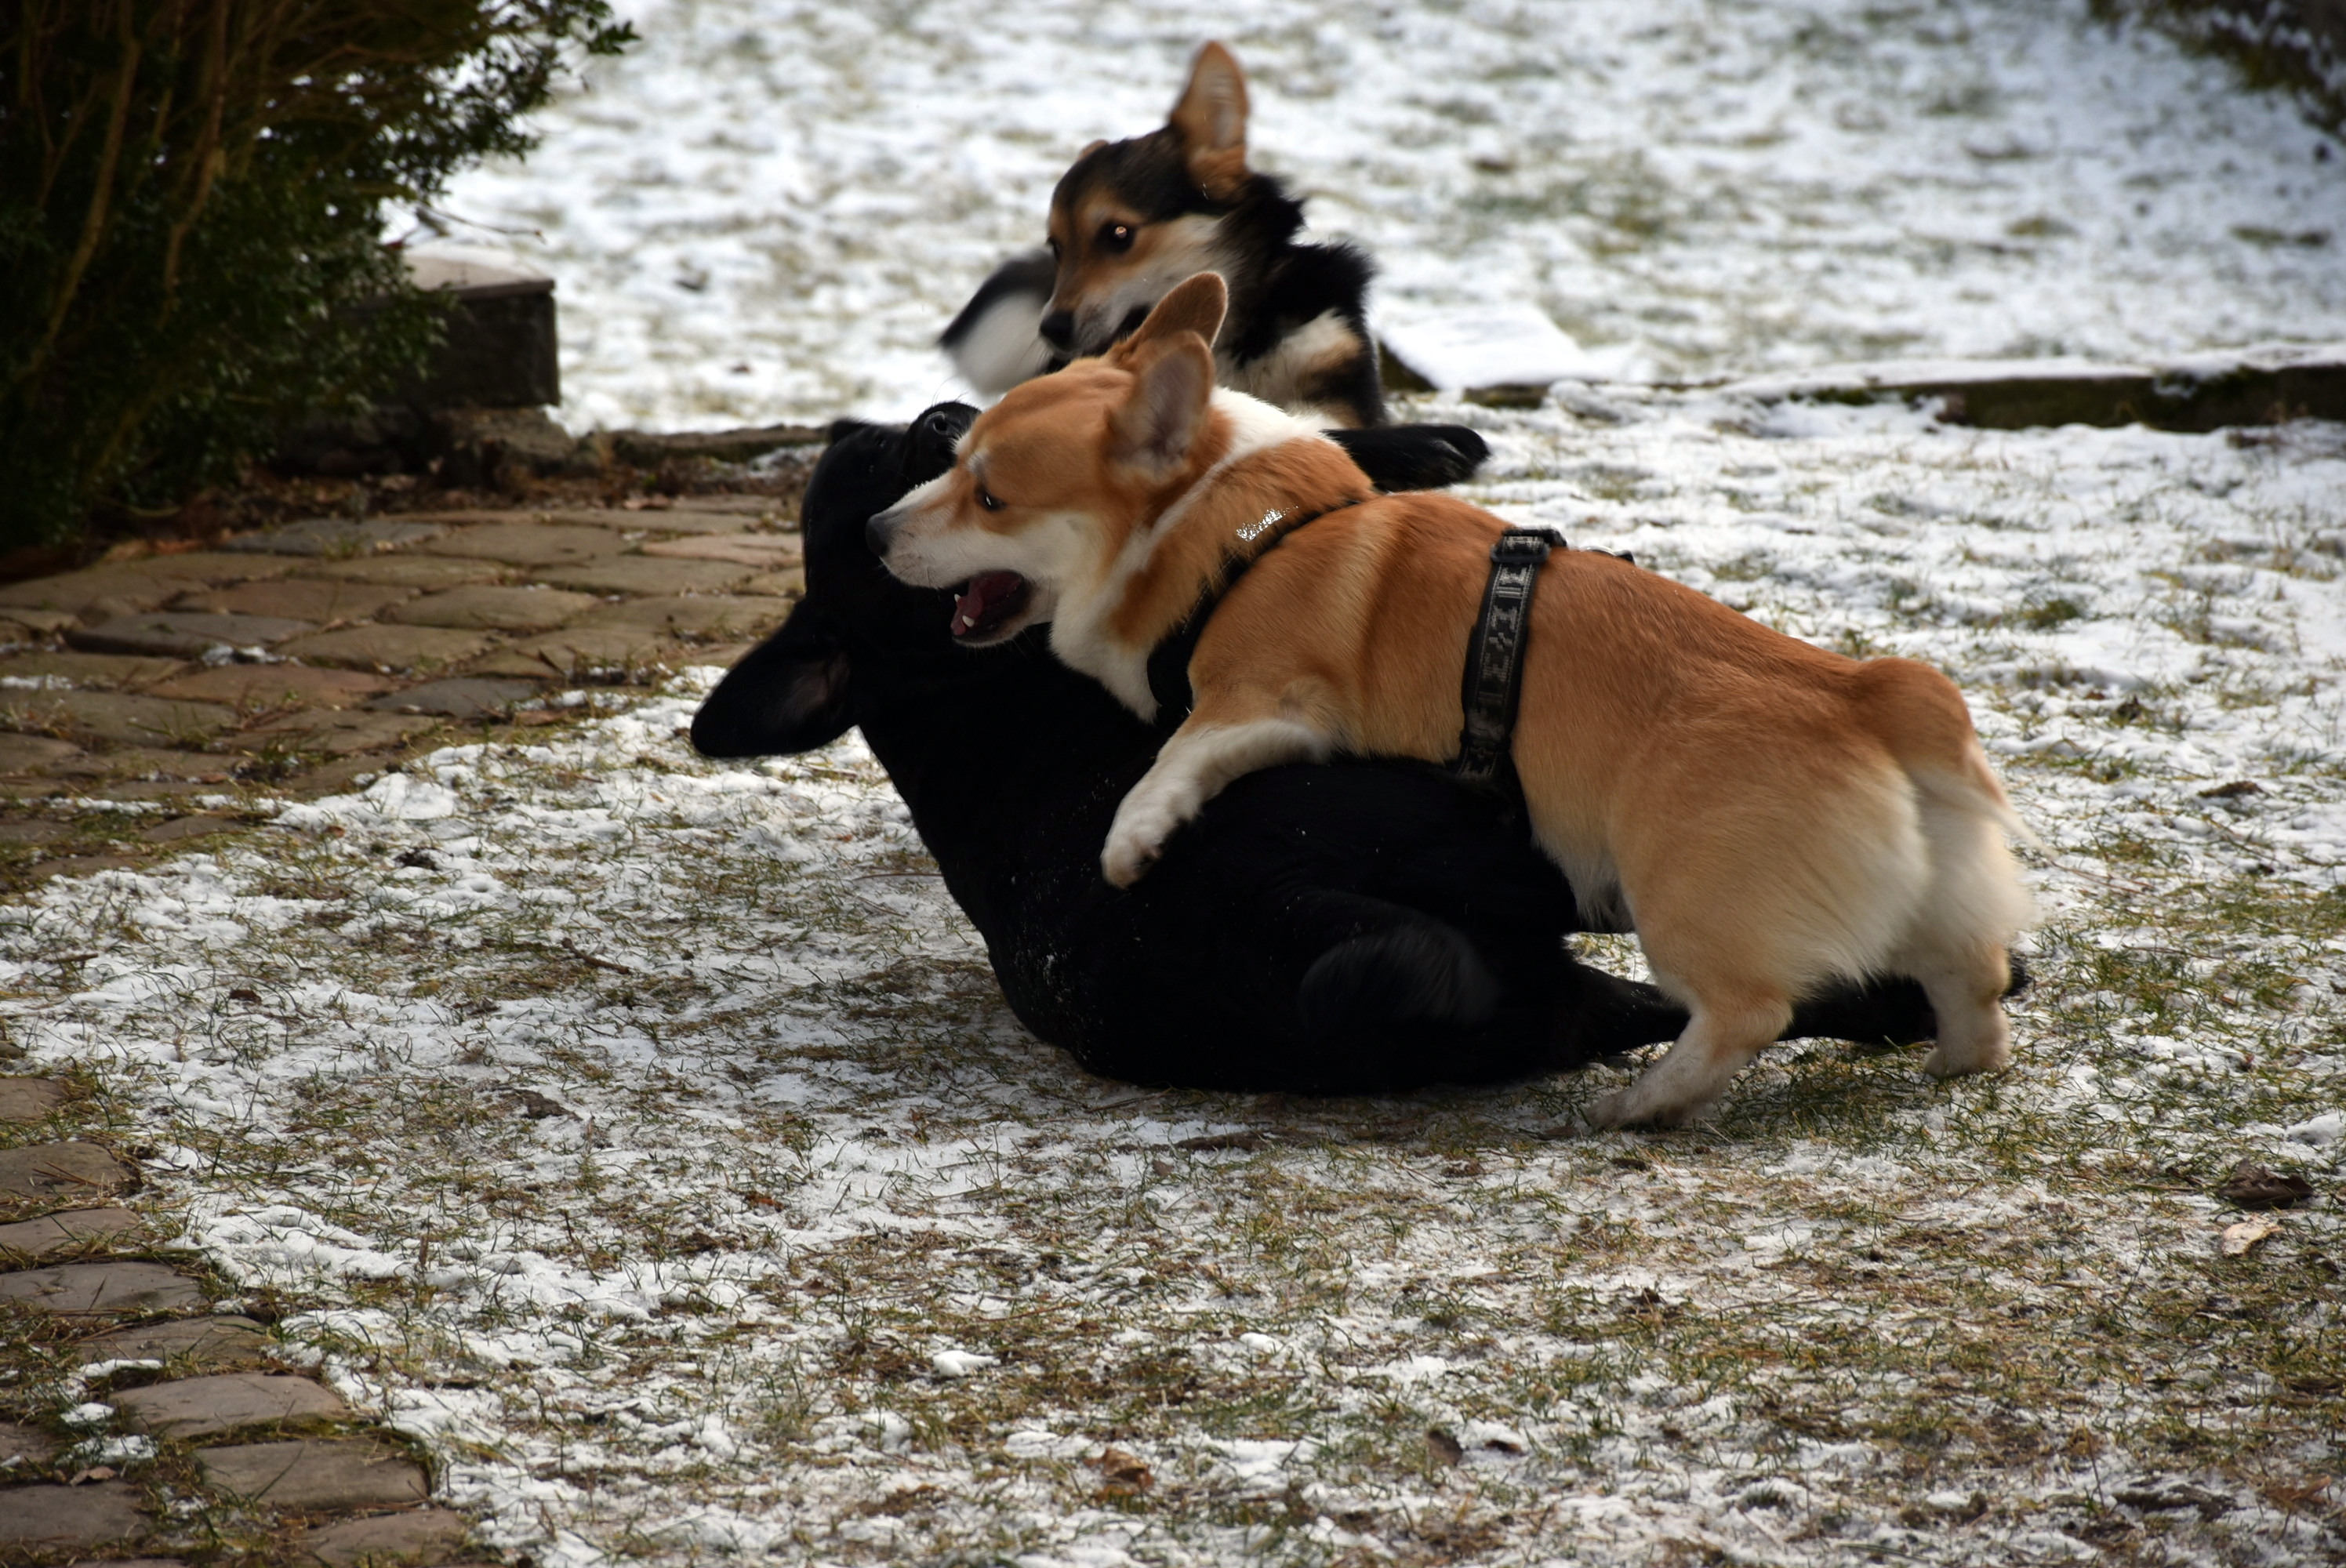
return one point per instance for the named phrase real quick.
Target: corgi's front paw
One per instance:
(1128, 856)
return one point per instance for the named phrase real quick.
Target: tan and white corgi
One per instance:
(1770, 816)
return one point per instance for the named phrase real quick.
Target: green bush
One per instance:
(191, 196)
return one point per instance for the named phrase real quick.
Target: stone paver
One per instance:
(28, 832)
(424, 573)
(17, 623)
(318, 600)
(388, 648)
(29, 753)
(561, 656)
(114, 716)
(60, 1518)
(650, 574)
(135, 586)
(217, 1344)
(56, 1235)
(184, 634)
(274, 686)
(420, 1538)
(227, 1402)
(30, 1099)
(658, 519)
(485, 608)
(462, 697)
(340, 536)
(784, 585)
(85, 669)
(689, 615)
(23, 1449)
(352, 1473)
(765, 551)
(327, 733)
(201, 825)
(101, 1289)
(141, 762)
(528, 543)
(59, 1174)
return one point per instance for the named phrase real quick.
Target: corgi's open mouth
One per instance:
(987, 603)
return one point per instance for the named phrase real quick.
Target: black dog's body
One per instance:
(1328, 928)
(1131, 218)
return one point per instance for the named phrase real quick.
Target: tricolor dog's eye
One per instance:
(1116, 237)
(1055, 250)
(988, 500)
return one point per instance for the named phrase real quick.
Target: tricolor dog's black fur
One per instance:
(1332, 929)
(1132, 219)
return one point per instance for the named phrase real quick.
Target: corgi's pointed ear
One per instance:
(1172, 388)
(1090, 147)
(1211, 118)
(1196, 304)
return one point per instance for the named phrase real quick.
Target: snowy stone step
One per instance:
(348, 1473)
(420, 1538)
(29, 1099)
(208, 1407)
(59, 1176)
(57, 1518)
(101, 1289)
(219, 1344)
(56, 1234)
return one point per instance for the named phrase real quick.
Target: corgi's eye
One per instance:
(1055, 250)
(1116, 237)
(988, 500)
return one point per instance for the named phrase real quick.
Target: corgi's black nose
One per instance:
(1059, 328)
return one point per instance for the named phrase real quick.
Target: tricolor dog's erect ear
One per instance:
(1196, 304)
(1173, 386)
(1212, 119)
(788, 694)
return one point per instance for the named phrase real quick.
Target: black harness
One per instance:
(1493, 687)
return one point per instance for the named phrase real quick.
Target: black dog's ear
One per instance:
(790, 693)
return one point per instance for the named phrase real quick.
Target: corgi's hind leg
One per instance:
(1958, 946)
(1720, 1041)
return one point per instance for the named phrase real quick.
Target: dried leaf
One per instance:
(2237, 1238)
(1441, 1448)
(1122, 1471)
(2252, 1185)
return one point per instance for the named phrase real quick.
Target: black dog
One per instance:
(1333, 928)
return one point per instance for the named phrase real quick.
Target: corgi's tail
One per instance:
(996, 342)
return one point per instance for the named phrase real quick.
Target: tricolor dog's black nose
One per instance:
(877, 532)
(1059, 328)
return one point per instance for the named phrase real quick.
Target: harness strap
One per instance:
(1494, 686)
(1169, 661)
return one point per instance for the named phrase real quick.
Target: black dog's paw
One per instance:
(2022, 979)
(1414, 456)
(1416, 976)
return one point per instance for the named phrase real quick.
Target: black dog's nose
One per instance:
(1059, 328)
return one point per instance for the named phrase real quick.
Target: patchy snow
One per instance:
(770, 208)
(661, 1157)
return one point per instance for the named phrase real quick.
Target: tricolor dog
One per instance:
(1132, 219)
(1771, 818)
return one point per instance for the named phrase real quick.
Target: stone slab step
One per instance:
(765, 551)
(116, 716)
(26, 1449)
(131, 586)
(2206, 392)
(424, 573)
(101, 1289)
(227, 1402)
(644, 449)
(420, 1538)
(461, 696)
(326, 732)
(30, 1099)
(74, 668)
(690, 615)
(573, 653)
(349, 1473)
(649, 575)
(63, 1518)
(184, 634)
(252, 685)
(55, 1235)
(482, 607)
(32, 753)
(60, 1175)
(388, 648)
(658, 519)
(219, 1344)
(339, 536)
(318, 600)
(528, 543)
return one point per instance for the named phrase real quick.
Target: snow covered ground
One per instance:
(770, 209)
(646, 1138)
